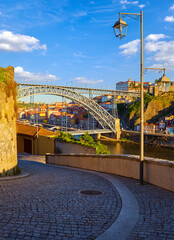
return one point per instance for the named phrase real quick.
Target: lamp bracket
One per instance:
(131, 15)
(159, 69)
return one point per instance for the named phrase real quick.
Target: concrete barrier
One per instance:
(156, 171)
(62, 147)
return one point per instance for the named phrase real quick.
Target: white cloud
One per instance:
(164, 53)
(11, 42)
(153, 46)
(23, 76)
(83, 80)
(162, 50)
(155, 37)
(130, 48)
(172, 7)
(129, 2)
(169, 19)
(141, 5)
(80, 14)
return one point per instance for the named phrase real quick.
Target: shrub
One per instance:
(17, 170)
(102, 149)
(135, 107)
(67, 137)
(85, 140)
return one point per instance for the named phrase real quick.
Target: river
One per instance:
(134, 149)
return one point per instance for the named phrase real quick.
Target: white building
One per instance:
(124, 86)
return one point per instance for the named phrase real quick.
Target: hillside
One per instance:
(155, 108)
(26, 105)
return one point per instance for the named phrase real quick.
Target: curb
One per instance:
(23, 174)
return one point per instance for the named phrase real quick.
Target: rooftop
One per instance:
(31, 131)
(164, 79)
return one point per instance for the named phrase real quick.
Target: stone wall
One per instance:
(152, 139)
(63, 147)
(8, 147)
(156, 171)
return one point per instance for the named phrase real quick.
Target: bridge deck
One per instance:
(82, 132)
(84, 90)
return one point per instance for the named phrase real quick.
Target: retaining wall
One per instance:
(163, 140)
(66, 148)
(8, 147)
(157, 172)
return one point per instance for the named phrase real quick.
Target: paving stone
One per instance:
(47, 204)
(156, 211)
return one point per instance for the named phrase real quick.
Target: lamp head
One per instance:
(120, 28)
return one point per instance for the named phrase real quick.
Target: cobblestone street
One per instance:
(156, 211)
(48, 205)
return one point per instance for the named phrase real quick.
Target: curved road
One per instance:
(48, 205)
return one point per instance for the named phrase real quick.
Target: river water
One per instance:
(134, 149)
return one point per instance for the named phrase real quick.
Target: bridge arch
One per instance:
(105, 119)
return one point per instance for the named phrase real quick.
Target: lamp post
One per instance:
(120, 29)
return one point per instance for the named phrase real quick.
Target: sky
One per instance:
(72, 42)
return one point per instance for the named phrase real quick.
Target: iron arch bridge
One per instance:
(105, 119)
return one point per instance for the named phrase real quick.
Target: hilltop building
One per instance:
(163, 84)
(125, 86)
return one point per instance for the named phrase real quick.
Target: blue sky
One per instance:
(71, 42)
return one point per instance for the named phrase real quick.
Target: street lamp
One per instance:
(120, 29)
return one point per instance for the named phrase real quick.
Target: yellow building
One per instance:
(34, 140)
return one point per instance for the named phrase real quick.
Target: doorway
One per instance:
(27, 145)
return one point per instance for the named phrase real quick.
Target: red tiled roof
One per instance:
(32, 131)
(45, 132)
(146, 82)
(26, 129)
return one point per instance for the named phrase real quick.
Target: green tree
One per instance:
(85, 140)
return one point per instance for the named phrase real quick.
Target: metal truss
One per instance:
(105, 119)
(114, 107)
(90, 91)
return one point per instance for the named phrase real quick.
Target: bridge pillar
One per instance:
(117, 127)
(98, 136)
